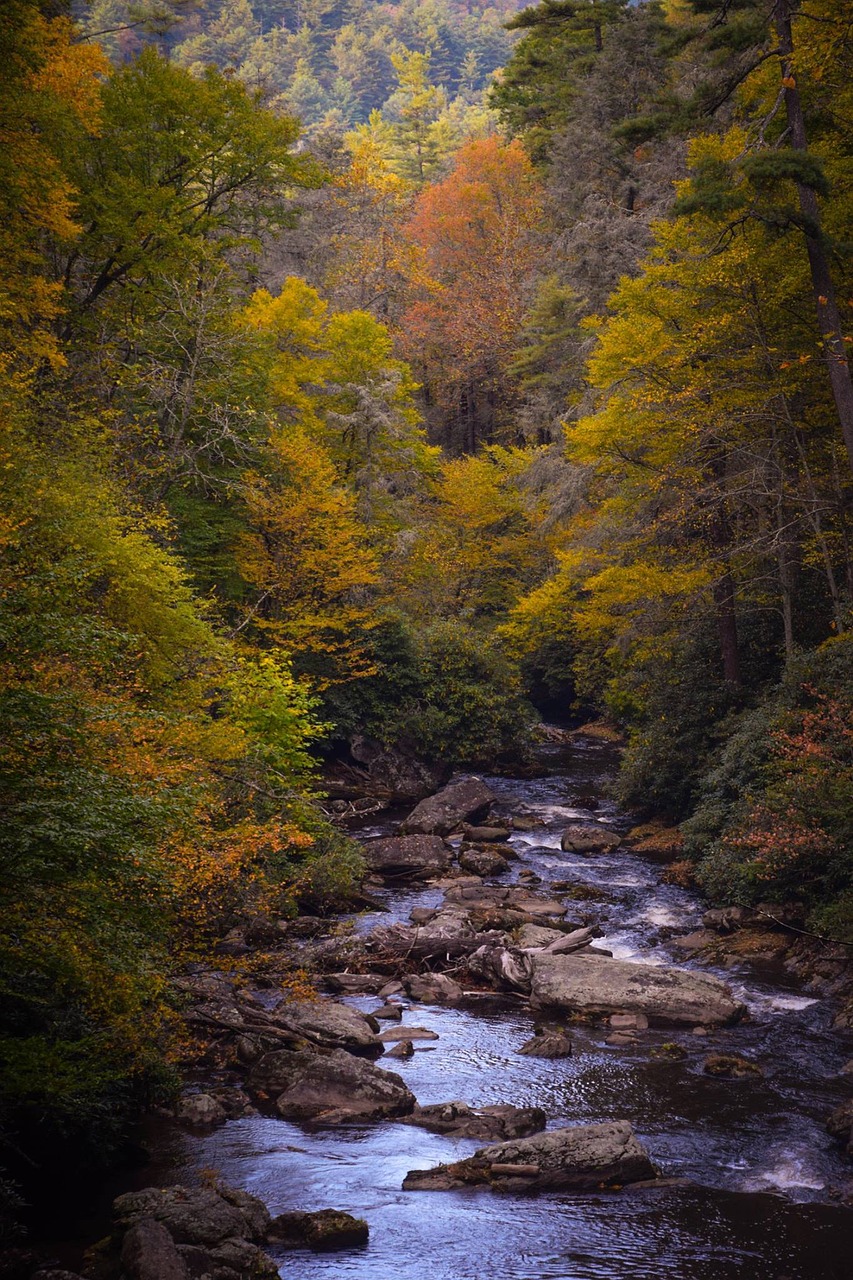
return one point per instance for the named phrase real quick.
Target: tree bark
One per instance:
(828, 316)
(724, 600)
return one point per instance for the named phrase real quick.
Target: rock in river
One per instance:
(330, 1088)
(172, 1233)
(547, 1044)
(593, 984)
(414, 855)
(329, 1024)
(583, 1158)
(432, 988)
(325, 1231)
(489, 1124)
(448, 808)
(483, 862)
(588, 837)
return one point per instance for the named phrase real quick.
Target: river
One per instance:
(761, 1198)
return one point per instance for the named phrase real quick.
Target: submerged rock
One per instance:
(330, 1088)
(412, 855)
(449, 808)
(325, 1230)
(489, 1123)
(547, 1044)
(593, 984)
(584, 1158)
(407, 1033)
(730, 1066)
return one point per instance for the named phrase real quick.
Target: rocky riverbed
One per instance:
(536, 1060)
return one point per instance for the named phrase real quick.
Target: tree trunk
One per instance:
(828, 317)
(724, 600)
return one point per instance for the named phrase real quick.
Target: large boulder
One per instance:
(330, 1025)
(449, 808)
(204, 1216)
(414, 855)
(594, 984)
(148, 1252)
(396, 772)
(329, 1088)
(584, 1158)
(588, 837)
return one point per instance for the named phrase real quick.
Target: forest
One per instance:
(392, 378)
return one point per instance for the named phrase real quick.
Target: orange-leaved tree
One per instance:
(481, 233)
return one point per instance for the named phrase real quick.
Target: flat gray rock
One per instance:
(583, 1158)
(327, 1023)
(594, 984)
(456, 803)
(330, 1088)
(412, 855)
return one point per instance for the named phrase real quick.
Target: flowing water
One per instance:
(762, 1178)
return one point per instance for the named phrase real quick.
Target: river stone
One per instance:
(204, 1216)
(200, 1110)
(547, 1044)
(404, 1049)
(592, 984)
(454, 804)
(325, 1230)
(331, 1087)
(489, 1124)
(388, 1013)
(536, 936)
(412, 855)
(483, 862)
(730, 1066)
(355, 984)
(232, 1260)
(629, 1022)
(327, 1023)
(432, 988)
(584, 1158)
(148, 1252)
(588, 837)
(486, 834)
(407, 1033)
